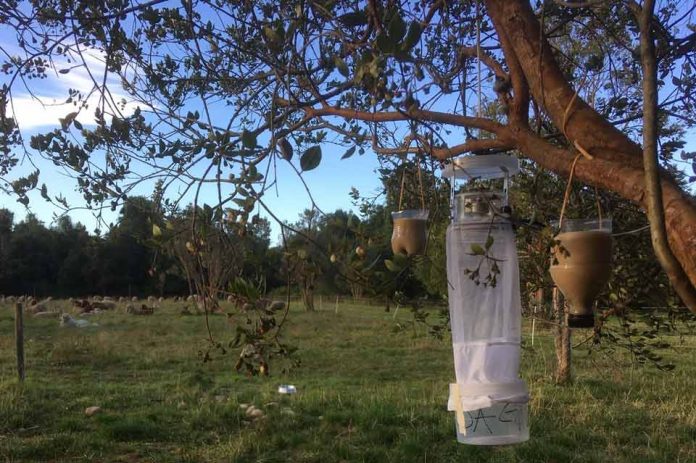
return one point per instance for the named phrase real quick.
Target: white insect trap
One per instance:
(489, 399)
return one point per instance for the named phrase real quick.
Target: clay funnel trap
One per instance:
(410, 235)
(581, 266)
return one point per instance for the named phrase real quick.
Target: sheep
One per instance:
(86, 306)
(66, 321)
(104, 305)
(134, 299)
(142, 310)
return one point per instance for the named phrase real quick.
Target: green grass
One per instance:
(367, 393)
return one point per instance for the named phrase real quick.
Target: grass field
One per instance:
(366, 394)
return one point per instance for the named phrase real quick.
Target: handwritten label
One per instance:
(500, 419)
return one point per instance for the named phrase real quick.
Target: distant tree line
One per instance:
(64, 259)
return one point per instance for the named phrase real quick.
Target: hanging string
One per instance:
(478, 58)
(420, 183)
(581, 152)
(599, 206)
(567, 190)
(401, 193)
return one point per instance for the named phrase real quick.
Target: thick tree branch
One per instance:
(488, 125)
(553, 92)
(653, 200)
(519, 109)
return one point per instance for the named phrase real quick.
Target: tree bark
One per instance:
(617, 165)
(651, 165)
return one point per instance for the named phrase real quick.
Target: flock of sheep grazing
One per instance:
(192, 305)
(48, 308)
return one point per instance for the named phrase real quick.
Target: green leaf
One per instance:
(311, 158)
(156, 230)
(477, 250)
(285, 149)
(67, 120)
(391, 266)
(353, 19)
(401, 260)
(489, 242)
(384, 43)
(348, 153)
(248, 139)
(397, 28)
(341, 66)
(415, 30)
(77, 124)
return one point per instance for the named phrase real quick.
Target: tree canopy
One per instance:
(222, 91)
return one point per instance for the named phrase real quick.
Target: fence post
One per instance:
(336, 309)
(19, 338)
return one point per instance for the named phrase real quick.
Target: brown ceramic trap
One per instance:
(410, 234)
(581, 266)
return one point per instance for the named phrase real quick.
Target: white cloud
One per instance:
(44, 102)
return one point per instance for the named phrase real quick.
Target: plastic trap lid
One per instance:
(484, 167)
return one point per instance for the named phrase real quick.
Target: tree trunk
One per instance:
(308, 296)
(562, 374)
(617, 165)
(651, 165)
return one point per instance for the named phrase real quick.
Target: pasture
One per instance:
(367, 392)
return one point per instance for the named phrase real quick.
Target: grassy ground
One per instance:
(366, 394)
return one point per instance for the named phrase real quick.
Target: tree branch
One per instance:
(653, 189)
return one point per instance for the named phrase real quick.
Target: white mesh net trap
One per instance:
(489, 398)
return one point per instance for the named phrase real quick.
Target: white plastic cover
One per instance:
(486, 320)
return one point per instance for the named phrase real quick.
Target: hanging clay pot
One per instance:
(581, 266)
(410, 231)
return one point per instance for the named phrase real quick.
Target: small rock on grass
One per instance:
(90, 411)
(254, 413)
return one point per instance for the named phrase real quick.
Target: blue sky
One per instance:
(330, 183)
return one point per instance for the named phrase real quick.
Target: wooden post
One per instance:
(19, 338)
(562, 340)
(538, 300)
(336, 310)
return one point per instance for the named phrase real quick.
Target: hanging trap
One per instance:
(489, 399)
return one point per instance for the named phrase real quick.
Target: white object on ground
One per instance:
(67, 321)
(90, 411)
(287, 389)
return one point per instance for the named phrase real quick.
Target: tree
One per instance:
(238, 85)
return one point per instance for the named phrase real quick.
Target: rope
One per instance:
(401, 193)
(630, 232)
(567, 190)
(420, 184)
(478, 57)
(581, 152)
